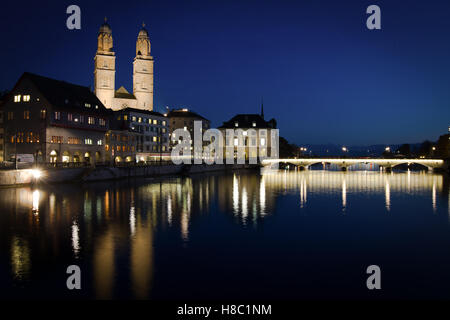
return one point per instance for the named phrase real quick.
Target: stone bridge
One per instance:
(344, 163)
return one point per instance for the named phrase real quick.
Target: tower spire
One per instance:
(262, 108)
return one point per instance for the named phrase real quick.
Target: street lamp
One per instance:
(344, 149)
(387, 149)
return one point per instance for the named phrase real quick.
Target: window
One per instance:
(69, 117)
(17, 98)
(102, 122)
(155, 121)
(91, 120)
(125, 117)
(107, 147)
(57, 115)
(43, 114)
(133, 118)
(139, 119)
(155, 139)
(163, 130)
(81, 119)
(10, 115)
(87, 105)
(118, 148)
(87, 141)
(164, 123)
(99, 142)
(26, 115)
(72, 140)
(26, 98)
(56, 139)
(263, 141)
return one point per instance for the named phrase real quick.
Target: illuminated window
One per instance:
(57, 115)
(102, 122)
(125, 117)
(17, 98)
(107, 147)
(26, 98)
(164, 123)
(263, 141)
(91, 120)
(87, 105)
(155, 139)
(87, 141)
(43, 114)
(26, 115)
(69, 117)
(236, 141)
(155, 121)
(118, 148)
(133, 118)
(99, 142)
(56, 139)
(139, 119)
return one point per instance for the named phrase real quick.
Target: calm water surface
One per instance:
(284, 235)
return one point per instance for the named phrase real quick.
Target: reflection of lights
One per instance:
(185, 225)
(303, 192)
(132, 221)
(36, 197)
(387, 195)
(20, 258)
(433, 196)
(344, 195)
(235, 195)
(169, 209)
(244, 205)
(75, 239)
(262, 196)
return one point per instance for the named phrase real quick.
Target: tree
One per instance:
(404, 149)
(287, 150)
(443, 147)
(425, 149)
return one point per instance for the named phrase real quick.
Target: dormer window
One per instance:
(87, 105)
(17, 98)
(26, 98)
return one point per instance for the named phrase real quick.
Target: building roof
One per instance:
(247, 120)
(122, 93)
(148, 112)
(66, 95)
(184, 113)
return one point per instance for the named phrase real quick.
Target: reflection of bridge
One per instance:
(344, 163)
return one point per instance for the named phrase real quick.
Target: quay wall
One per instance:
(87, 174)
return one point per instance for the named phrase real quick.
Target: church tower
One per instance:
(105, 66)
(143, 72)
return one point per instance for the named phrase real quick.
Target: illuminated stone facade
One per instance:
(105, 70)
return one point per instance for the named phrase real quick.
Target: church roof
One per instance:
(247, 120)
(105, 27)
(183, 113)
(148, 112)
(66, 95)
(122, 93)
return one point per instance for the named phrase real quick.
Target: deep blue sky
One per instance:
(323, 75)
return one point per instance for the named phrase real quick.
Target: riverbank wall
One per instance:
(88, 174)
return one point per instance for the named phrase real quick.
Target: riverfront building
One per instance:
(150, 130)
(48, 120)
(256, 135)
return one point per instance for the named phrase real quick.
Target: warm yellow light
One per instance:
(36, 173)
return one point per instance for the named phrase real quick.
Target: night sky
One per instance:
(323, 75)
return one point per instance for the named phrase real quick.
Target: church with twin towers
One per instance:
(105, 72)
